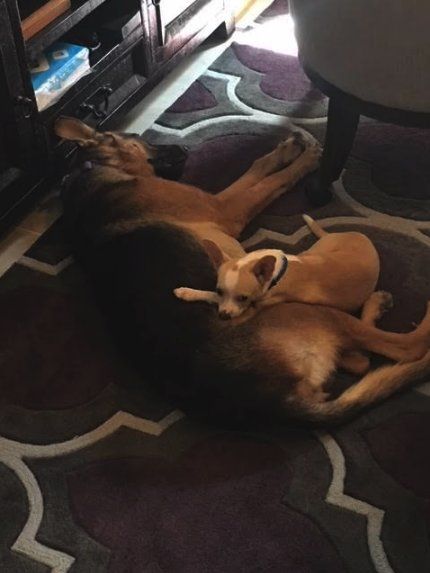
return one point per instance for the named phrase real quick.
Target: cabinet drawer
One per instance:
(176, 23)
(110, 88)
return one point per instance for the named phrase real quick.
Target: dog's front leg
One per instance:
(239, 206)
(284, 154)
(194, 295)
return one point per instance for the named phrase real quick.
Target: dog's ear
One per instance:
(263, 269)
(215, 254)
(115, 139)
(75, 130)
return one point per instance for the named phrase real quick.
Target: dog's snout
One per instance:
(169, 161)
(224, 315)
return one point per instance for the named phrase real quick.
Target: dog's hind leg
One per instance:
(238, 205)
(354, 361)
(370, 390)
(396, 346)
(375, 306)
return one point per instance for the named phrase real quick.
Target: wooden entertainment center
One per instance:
(153, 36)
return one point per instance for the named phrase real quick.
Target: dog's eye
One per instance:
(219, 291)
(242, 298)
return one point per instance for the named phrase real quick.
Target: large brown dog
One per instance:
(140, 236)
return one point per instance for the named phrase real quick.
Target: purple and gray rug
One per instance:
(96, 476)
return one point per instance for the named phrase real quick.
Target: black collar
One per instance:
(281, 273)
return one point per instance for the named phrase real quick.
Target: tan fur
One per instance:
(340, 270)
(301, 341)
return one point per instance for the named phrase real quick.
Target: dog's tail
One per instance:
(371, 389)
(314, 226)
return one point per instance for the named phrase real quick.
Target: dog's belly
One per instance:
(301, 339)
(347, 294)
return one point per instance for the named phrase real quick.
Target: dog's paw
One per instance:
(386, 301)
(381, 301)
(184, 293)
(290, 149)
(310, 158)
(304, 138)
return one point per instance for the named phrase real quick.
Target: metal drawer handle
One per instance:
(106, 91)
(26, 104)
(92, 109)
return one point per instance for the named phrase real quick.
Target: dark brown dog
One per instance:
(140, 236)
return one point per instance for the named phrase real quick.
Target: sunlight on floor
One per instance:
(276, 35)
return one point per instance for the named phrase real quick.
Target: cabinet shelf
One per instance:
(79, 10)
(100, 60)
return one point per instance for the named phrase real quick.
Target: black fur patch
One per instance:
(210, 368)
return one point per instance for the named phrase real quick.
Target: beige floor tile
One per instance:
(14, 245)
(45, 214)
(179, 80)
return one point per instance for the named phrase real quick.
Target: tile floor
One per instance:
(21, 238)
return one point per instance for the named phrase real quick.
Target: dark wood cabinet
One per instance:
(124, 68)
(17, 127)
(174, 24)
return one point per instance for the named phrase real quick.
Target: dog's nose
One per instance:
(224, 315)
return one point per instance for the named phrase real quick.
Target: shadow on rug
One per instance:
(98, 476)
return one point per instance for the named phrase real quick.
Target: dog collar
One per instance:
(280, 274)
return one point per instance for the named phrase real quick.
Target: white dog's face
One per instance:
(237, 290)
(243, 281)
